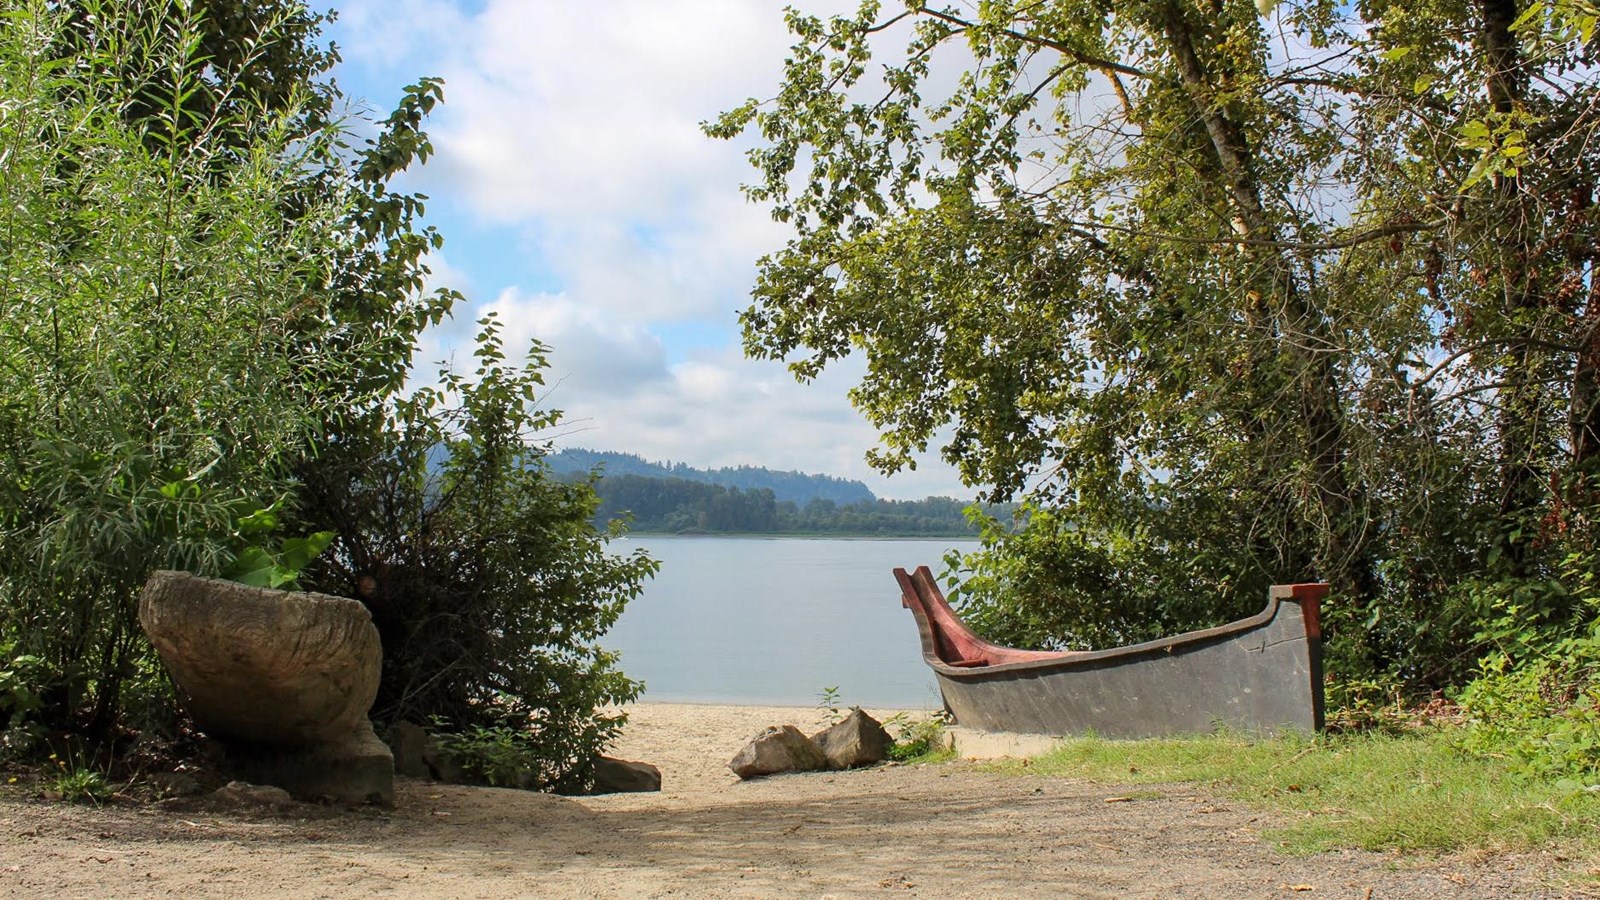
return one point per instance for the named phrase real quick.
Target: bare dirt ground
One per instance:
(913, 831)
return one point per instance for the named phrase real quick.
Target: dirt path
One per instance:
(939, 831)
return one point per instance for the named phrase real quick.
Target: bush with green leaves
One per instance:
(1536, 697)
(80, 785)
(1543, 714)
(485, 577)
(210, 298)
(921, 740)
(496, 755)
(151, 401)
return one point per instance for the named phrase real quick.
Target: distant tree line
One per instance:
(678, 505)
(798, 487)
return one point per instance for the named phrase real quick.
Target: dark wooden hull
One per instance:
(1262, 674)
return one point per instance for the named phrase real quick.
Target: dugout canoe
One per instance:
(1261, 675)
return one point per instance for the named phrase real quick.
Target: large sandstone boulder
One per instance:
(859, 740)
(283, 679)
(780, 748)
(621, 776)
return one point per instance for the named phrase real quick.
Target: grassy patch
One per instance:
(1419, 791)
(925, 756)
(919, 740)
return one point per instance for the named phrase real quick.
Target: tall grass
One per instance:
(1413, 792)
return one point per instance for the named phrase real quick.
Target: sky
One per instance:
(580, 202)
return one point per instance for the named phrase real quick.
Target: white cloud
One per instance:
(580, 127)
(617, 392)
(700, 266)
(571, 109)
(722, 410)
(591, 357)
(573, 129)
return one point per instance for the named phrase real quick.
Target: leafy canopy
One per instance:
(1236, 297)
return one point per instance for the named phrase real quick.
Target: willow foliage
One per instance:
(149, 400)
(210, 301)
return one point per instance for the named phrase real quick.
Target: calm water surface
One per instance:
(775, 620)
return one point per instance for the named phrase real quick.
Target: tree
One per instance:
(1197, 279)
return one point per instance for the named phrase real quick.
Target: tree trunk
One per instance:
(1585, 411)
(1302, 334)
(1520, 413)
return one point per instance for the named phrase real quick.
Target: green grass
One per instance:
(925, 756)
(1415, 792)
(920, 741)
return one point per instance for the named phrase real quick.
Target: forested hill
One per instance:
(680, 506)
(798, 488)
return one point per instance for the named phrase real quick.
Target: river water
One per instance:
(776, 620)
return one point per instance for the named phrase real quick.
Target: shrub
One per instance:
(1543, 714)
(1059, 582)
(209, 305)
(78, 785)
(485, 577)
(150, 398)
(1536, 698)
(918, 739)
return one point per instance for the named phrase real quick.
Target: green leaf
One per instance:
(299, 552)
(1397, 53)
(253, 567)
(261, 521)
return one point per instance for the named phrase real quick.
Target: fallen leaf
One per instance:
(1301, 887)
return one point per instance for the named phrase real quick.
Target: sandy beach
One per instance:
(950, 830)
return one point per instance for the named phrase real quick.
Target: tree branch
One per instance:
(1344, 243)
(1064, 49)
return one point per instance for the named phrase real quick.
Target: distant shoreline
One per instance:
(805, 535)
